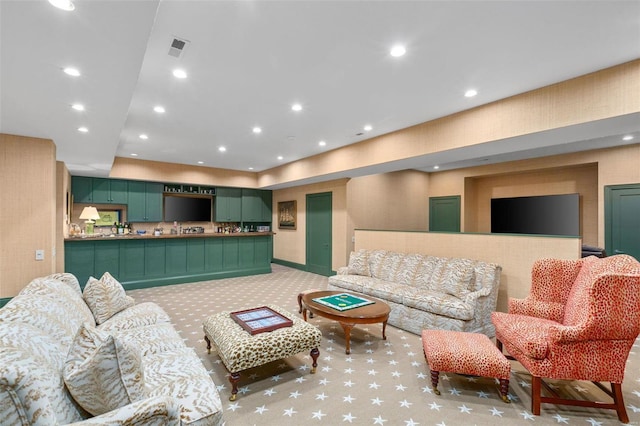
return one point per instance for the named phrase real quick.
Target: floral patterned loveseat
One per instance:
(425, 292)
(97, 358)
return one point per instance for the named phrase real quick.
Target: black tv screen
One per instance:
(187, 209)
(547, 214)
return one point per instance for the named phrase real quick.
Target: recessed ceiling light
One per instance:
(398, 50)
(178, 73)
(78, 107)
(627, 138)
(143, 136)
(134, 155)
(63, 4)
(367, 127)
(470, 93)
(322, 143)
(222, 149)
(257, 130)
(296, 107)
(280, 157)
(200, 162)
(250, 168)
(72, 71)
(159, 109)
(436, 167)
(83, 129)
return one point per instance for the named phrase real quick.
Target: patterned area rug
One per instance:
(382, 382)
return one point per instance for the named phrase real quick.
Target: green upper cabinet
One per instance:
(228, 205)
(109, 191)
(256, 205)
(82, 189)
(145, 202)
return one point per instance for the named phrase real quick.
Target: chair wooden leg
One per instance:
(616, 390)
(535, 395)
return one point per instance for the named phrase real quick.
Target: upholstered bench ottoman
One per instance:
(465, 353)
(239, 350)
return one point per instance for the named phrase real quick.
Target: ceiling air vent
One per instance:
(177, 47)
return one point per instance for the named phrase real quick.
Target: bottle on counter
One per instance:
(114, 228)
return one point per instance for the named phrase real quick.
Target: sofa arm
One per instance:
(343, 270)
(159, 410)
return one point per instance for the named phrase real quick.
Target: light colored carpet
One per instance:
(380, 382)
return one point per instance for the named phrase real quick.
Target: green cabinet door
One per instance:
(81, 188)
(145, 202)
(266, 201)
(99, 190)
(256, 205)
(153, 201)
(228, 205)
(251, 205)
(118, 191)
(136, 207)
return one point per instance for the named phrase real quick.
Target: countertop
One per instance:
(150, 236)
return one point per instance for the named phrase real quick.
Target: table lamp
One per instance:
(91, 215)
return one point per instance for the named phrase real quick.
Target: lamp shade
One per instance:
(90, 213)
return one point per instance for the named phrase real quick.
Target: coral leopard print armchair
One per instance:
(579, 322)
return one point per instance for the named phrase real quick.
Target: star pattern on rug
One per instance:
(382, 382)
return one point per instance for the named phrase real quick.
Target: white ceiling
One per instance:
(248, 61)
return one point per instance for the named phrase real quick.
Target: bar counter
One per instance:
(140, 261)
(134, 236)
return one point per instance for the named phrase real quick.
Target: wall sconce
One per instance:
(91, 215)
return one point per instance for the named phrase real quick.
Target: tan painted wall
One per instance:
(565, 180)
(63, 211)
(127, 168)
(290, 245)
(397, 200)
(566, 173)
(604, 94)
(515, 254)
(27, 210)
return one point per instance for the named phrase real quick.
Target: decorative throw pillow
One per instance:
(103, 372)
(359, 263)
(106, 297)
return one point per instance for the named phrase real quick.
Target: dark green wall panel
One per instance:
(152, 262)
(195, 255)
(155, 254)
(107, 258)
(176, 260)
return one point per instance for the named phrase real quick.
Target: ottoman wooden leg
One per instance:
(314, 356)
(435, 375)
(504, 390)
(206, 339)
(234, 378)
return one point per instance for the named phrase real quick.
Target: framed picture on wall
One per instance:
(287, 214)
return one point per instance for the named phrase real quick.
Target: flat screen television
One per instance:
(547, 214)
(187, 209)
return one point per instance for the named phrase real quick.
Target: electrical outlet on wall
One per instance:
(40, 254)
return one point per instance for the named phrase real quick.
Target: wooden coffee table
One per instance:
(370, 314)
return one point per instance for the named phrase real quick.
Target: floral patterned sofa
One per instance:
(97, 358)
(425, 292)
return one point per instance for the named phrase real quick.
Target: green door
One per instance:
(622, 219)
(318, 234)
(444, 213)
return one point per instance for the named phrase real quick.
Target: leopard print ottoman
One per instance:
(465, 353)
(240, 350)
